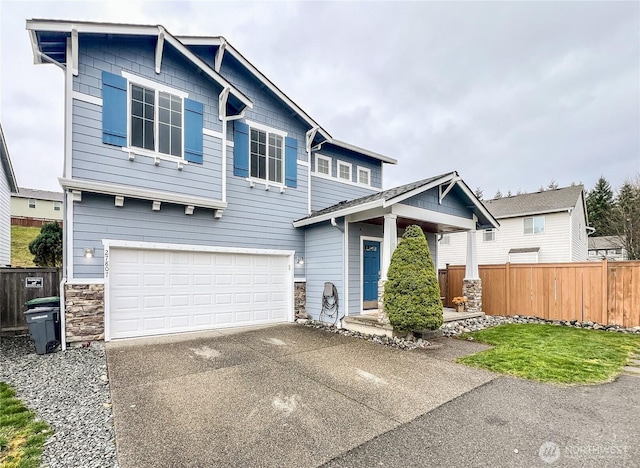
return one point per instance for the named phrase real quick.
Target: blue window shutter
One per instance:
(193, 124)
(114, 109)
(291, 162)
(240, 149)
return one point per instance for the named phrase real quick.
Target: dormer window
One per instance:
(323, 165)
(364, 176)
(344, 170)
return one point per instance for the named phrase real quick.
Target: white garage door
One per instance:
(153, 292)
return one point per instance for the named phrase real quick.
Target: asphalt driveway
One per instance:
(284, 395)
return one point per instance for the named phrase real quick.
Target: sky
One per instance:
(509, 94)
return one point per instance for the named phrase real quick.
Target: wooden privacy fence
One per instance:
(19, 285)
(604, 292)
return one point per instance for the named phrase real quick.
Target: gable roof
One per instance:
(39, 194)
(605, 242)
(392, 196)
(548, 201)
(5, 160)
(48, 42)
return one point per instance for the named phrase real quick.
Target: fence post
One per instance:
(508, 288)
(605, 291)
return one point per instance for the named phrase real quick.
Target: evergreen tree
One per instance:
(552, 185)
(600, 205)
(47, 247)
(498, 195)
(478, 193)
(627, 217)
(411, 293)
(509, 193)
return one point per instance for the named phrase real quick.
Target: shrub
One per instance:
(411, 293)
(47, 247)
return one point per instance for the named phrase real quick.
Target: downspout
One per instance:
(335, 225)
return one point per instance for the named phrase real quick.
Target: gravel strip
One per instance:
(69, 390)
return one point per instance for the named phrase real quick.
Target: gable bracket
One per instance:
(159, 48)
(217, 63)
(74, 52)
(222, 104)
(311, 134)
(442, 194)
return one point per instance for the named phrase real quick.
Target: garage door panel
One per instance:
(156, 292)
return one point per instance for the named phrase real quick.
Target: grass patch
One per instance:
(551, 353)
(21, 435)
(21, 237)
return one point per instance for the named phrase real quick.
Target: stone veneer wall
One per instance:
(472, 289)
(300, 299)
(84, 312)
(383, 318)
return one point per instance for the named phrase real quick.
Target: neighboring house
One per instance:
(199, 196)
(541, 227)
(8, 186)
(31, 207)
(609, 247)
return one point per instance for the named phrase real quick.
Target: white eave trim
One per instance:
(339, 213)
(536, 213)
(366, 152)
(136, 30)
(218, 41)
(141, 194)
(126, 244)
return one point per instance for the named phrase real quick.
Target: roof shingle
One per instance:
(548, 201)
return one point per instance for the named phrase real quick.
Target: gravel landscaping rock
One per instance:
(70, 391)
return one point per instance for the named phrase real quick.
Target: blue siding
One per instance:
(452, 204)
(94, 161)
(96, 218)
(336, 154)
(325, 192)
(355, 252)
(324, 262)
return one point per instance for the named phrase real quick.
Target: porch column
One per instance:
(471, 284)
(389, 244)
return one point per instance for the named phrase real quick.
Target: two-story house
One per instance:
(31, 207)
(8, 186)
(540, 227)
(609, 247)
(198, 195)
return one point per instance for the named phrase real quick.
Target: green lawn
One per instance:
(550, 353)
(21, 435)
(21, 237)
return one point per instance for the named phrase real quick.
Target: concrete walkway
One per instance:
(281, 396)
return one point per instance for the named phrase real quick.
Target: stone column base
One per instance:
(382, 315)
(300, 300)
(84, 312)
(472, 289)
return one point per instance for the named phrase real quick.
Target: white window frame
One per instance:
(368, 172)
(533, 225)
(323, 158)
(32, 202)
(57, 206)
(268, 130)
(157, 88)
(492, 237)
(345, 164)
(445, 239)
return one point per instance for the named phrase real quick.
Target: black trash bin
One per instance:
(44, 328)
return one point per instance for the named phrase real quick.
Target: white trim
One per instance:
(346, 164)
(361, 286)
(218, 135)
(156, 85)
(328, 159)
(68, 118)
(345, 181)
(74, 52)
(68, 230)
(299, 280)
(478, 204)
(265, 128)
(159, 49)
(363, 169)
(406, 211)
(132, 150)
(63, 318)
(37, 56)
(142, 194)
(77, 281)
(366, 152)
(218, 41)
(447, 190)
(337, 213)
(345, 271)
(87, 98)
(533, 225)
(418, 190)
(303, 163)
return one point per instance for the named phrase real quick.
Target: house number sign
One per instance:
(370, 248)
(33, 282)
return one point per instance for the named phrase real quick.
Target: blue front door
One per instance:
(371, 273)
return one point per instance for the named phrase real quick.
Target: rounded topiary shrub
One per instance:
(411, 293)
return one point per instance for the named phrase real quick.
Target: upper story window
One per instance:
(344, 170)
(266, 156)
(32, 203)
(534, 225)
(156, 121)
(364, 176)
(445, 239)
(489, 235)
(323, 165)
(57, 206)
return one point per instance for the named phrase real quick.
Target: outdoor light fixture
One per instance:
(299, 260)
(88, 252)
